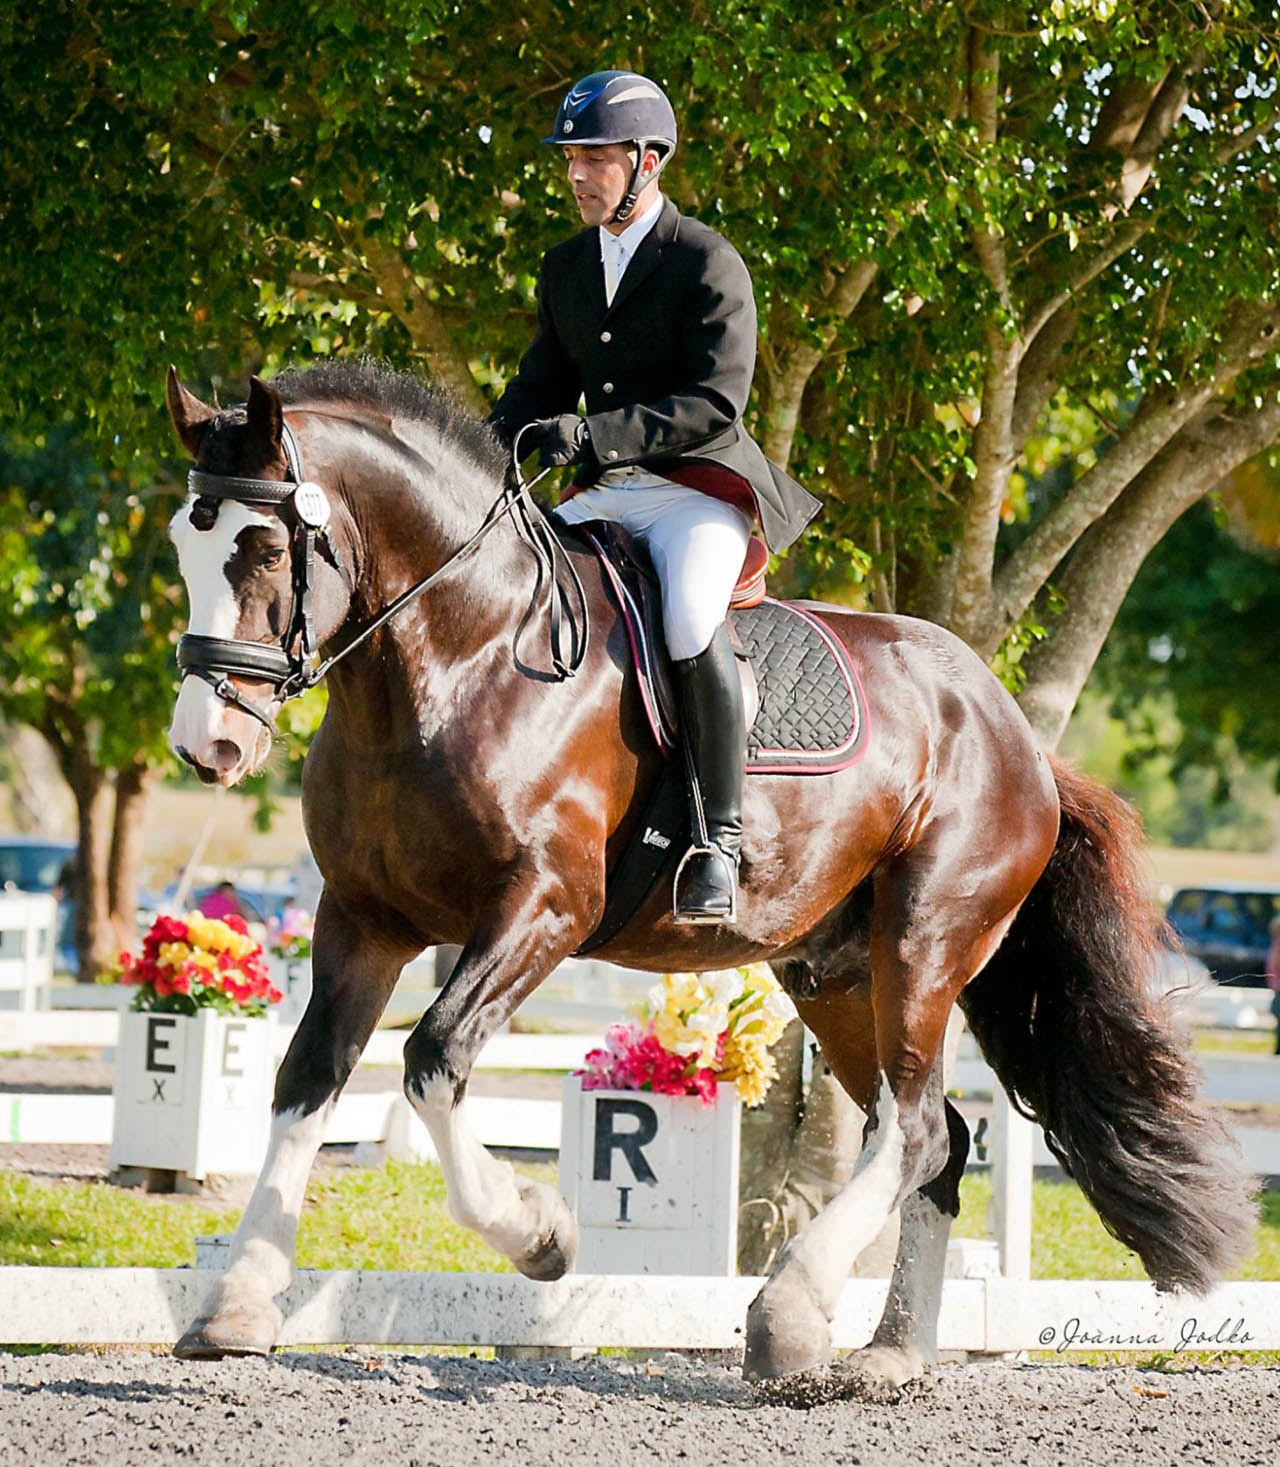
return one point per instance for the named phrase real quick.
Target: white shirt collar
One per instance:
(628, 242)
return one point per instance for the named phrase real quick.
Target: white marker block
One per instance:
(652, 1180)
(192, 1094)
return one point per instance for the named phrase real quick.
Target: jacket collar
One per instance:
(645, 260)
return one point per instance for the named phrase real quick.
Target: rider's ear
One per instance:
(266, 417)
(190, 416)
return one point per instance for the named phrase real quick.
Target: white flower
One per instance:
(657, 998)
(725, 987)
(779, 1006)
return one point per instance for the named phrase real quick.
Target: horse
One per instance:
(460, 790)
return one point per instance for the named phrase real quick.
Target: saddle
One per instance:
(805, 708)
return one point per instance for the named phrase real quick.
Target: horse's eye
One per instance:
(272, 559)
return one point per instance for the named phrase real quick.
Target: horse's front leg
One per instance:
(526, 1221)
(353, 975)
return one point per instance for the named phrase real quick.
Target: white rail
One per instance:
(100, 1306)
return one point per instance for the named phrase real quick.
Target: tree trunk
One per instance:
(41, 803)
(94, 938)
(798, 1150)
(132, 787)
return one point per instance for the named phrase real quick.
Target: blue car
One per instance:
(1227, 926)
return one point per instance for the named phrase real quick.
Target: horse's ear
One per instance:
(266, 417)
(191, 417)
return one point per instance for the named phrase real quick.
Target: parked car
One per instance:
(1227, 926)
(35, 863)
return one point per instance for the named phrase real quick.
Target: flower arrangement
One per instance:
(289, 937)
(197, 962)
(700, 1028)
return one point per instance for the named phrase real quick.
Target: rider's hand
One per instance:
(559, 441)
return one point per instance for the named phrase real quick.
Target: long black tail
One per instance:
(1066, 1015)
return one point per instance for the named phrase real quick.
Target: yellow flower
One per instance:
(174, 954)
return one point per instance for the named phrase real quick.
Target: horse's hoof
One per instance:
(551, 1257)
(877, 1374)
(231, 1332)
(787, 1332)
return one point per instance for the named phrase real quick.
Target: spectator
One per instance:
(224, 901)
(1273, 975)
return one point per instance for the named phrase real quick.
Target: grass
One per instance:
(390, 1217)
(1069, 1242)
(394, 1217)
(1234, 1041)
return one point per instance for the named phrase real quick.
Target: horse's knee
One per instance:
(433, 1065)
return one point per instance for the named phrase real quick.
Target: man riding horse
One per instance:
(650, 316)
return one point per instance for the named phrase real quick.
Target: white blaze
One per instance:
(199, 714)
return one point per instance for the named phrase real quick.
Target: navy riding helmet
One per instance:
(618, 107)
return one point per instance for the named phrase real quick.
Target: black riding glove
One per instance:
(559, 441)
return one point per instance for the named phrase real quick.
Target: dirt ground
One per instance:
(99, 1410)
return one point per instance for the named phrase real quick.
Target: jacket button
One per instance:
(606, 336)
(613, 453)
(608, 386)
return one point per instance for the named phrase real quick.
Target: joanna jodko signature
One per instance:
(1191, 1334)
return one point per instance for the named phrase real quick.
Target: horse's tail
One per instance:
(1067, 1016)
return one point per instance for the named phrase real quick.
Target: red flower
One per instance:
(168, 929)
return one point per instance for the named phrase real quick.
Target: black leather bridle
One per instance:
(290, 666)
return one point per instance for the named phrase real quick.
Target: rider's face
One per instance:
(599, 177)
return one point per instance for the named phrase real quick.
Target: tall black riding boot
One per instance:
(715, 739)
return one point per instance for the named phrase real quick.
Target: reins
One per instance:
(288, 667)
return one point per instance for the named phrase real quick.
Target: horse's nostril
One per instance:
(226, 755)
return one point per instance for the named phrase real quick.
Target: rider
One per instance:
(650, 316)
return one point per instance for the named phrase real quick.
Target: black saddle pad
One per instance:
(812, 713)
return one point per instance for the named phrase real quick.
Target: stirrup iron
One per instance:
(707, 919)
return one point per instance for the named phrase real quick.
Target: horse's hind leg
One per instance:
(906, 1339)
(925, 946)
(353, 975)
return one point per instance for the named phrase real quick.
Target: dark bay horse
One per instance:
(459, 792)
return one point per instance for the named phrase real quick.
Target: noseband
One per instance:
(290, 667)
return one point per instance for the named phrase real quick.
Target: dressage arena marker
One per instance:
(152, 1306)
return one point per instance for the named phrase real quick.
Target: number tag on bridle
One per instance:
(311, 505)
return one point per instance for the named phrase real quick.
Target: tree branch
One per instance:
(408, 302)
(993, 450)
(1085, 272)
(1109, 557)
(795, 362)
(1154, 425)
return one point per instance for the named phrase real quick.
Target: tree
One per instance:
(86, 633)
(1016, 265)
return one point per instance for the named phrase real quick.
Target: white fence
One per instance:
(28, 928)
(153, 1306)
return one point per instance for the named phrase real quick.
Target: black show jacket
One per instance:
(665, 369)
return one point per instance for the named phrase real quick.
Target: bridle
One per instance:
(290, 666)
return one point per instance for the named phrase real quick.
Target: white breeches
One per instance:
(697, 545)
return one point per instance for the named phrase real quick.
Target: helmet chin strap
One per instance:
(636, 187)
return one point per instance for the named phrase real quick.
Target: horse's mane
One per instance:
(367, 382)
